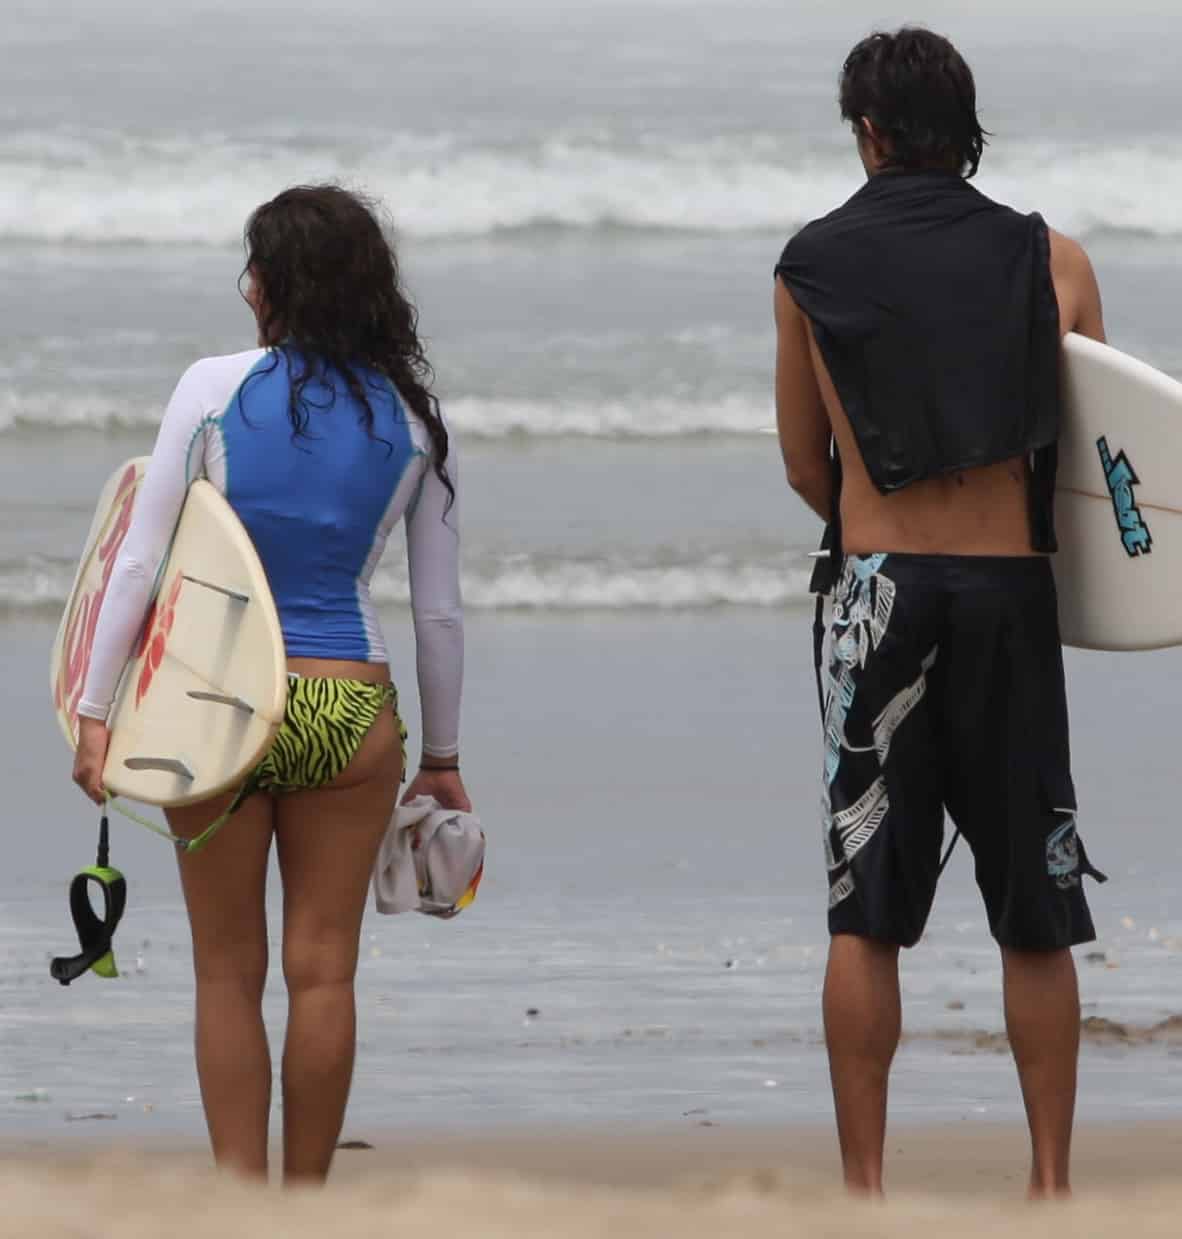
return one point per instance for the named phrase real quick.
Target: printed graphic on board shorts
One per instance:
(1063, 855)
(1121, 478)
(900, 706)
(863, 603)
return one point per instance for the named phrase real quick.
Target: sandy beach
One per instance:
(691, 1181)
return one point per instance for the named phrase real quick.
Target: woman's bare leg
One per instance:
(225, 893)
(328, 842)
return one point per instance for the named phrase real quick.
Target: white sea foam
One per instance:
(34, 584)
(472, 417)
(644, 417)
(721, 580)
(39, 585)
(50, 411)
(100, 188)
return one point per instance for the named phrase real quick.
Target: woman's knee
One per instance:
(242, 966)
(312, 960)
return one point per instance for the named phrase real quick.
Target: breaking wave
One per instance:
(472, 417)
(98, 187)
(39, 585)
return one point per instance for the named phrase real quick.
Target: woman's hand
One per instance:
(90, 757)
(445, 786)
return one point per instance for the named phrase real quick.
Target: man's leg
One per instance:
(1004, 713)
(1042, 1018)
(863, 1016)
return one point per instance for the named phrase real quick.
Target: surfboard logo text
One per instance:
(1121, 479)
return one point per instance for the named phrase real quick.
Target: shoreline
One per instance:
(970, 1157)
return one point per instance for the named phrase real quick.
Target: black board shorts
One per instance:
(944, 690)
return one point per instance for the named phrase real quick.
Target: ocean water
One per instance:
(588, 207)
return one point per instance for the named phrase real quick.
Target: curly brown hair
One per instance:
(332, 300)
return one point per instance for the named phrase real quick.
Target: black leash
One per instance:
(94, 933)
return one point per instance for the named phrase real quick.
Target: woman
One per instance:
(334, 436)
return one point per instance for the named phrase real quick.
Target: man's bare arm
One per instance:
(1080, 307)
(801, 419)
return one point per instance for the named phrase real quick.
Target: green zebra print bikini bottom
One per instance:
(324, 725)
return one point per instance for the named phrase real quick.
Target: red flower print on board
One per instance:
(80, 636)
(155, 638)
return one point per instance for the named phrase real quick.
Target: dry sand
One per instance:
(962, 1180)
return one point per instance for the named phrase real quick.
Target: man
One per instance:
(919, 330)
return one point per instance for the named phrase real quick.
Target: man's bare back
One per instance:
(972, 512)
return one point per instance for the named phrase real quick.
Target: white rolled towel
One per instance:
(431, 860)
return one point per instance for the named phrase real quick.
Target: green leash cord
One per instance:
(188, 846)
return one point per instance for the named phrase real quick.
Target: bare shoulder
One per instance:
(1076, 287)
(1068, 256)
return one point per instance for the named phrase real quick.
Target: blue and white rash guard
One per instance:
(319, 508)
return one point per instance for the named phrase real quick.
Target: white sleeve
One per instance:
(175, 460)
(433, 560)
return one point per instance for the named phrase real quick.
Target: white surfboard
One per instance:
(204, 691)
(1118, 502)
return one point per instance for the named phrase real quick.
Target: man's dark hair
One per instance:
(916, 89)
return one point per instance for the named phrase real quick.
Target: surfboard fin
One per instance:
(218, 589)
(222, 700)
(167, 765)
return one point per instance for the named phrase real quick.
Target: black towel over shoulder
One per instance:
(936, 314)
